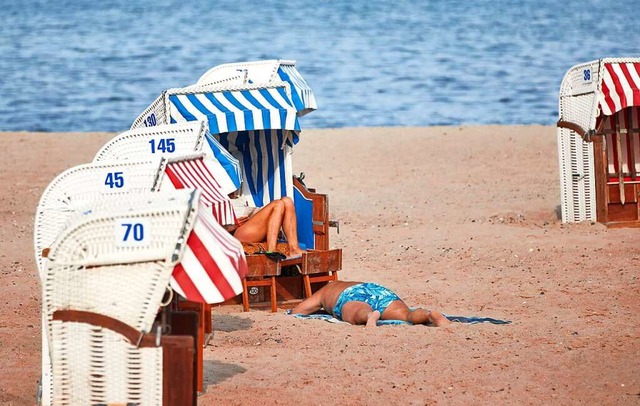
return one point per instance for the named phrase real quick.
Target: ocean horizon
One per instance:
(91, 66)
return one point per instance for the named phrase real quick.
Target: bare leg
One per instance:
(264, 225)
(372, 318)
(398, 310)
(360, 313)
(290, 226)
(422, 316)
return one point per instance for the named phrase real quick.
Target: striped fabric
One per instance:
(301, 94)
(196, 174)
(265, 157)
(236, 110)
(620, 87)
(213, 264)
(230, 164)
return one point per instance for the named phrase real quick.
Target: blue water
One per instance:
(95, 65)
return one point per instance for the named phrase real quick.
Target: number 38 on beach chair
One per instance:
(252, 111)
(599, 142)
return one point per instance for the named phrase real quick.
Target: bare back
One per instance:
(325, 298)
(330, 293)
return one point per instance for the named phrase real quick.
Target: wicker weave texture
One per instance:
(577, 182)
(578, 105)
(153, 115)
(93, 365)
(262, 72)
(143, 143)
(78, 187)
(129, 293)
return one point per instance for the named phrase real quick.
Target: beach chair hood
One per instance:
(266, 73)
(595, 89)
(252, 110)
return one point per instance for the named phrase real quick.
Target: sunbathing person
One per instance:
(365, 303)
(264, 224)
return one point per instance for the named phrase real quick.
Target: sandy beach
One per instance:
(460, 219)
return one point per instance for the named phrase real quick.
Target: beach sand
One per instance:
(460, 219)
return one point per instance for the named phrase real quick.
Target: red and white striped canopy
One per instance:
(213, 264)
(620, 87)
(195, 174)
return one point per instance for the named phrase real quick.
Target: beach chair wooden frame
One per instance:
(296, 278)
(599, 142)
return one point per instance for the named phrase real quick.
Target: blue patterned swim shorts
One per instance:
(376, 296)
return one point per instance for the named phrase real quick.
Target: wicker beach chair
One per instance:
(175, 140)
(599, 142)
(78, 188)
(256, 121)
(103, 286)
(68, 193)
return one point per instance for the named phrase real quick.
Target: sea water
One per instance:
(95, 65)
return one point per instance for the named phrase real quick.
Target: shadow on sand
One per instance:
(216, 372)
(229, 323)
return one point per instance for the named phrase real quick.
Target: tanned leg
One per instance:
(274, 224)
(290, 226)
(264, 225)
(360, 313)
(398, 310)
(422, 316)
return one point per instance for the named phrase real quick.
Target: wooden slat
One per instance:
(601, 176)
(177, 371)
(630, 150)
(620, 160)
(186, 323)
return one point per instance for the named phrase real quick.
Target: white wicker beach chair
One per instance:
(598, 142)
(174, 140)
(82, 185)
(103, 287)
(69, 192)
(79, 189)
(255, 119)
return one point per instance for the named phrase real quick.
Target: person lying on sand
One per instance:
(264, 224)
(365, 303)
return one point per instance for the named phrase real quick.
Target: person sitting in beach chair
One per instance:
(255, 225)
(365, 303)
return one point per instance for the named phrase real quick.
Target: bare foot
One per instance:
(295, 252)
(437, 319)
(373, 318)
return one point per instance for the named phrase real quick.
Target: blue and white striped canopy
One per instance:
(230, 164)
(301, 94)
(265, 158)
(236, 110)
